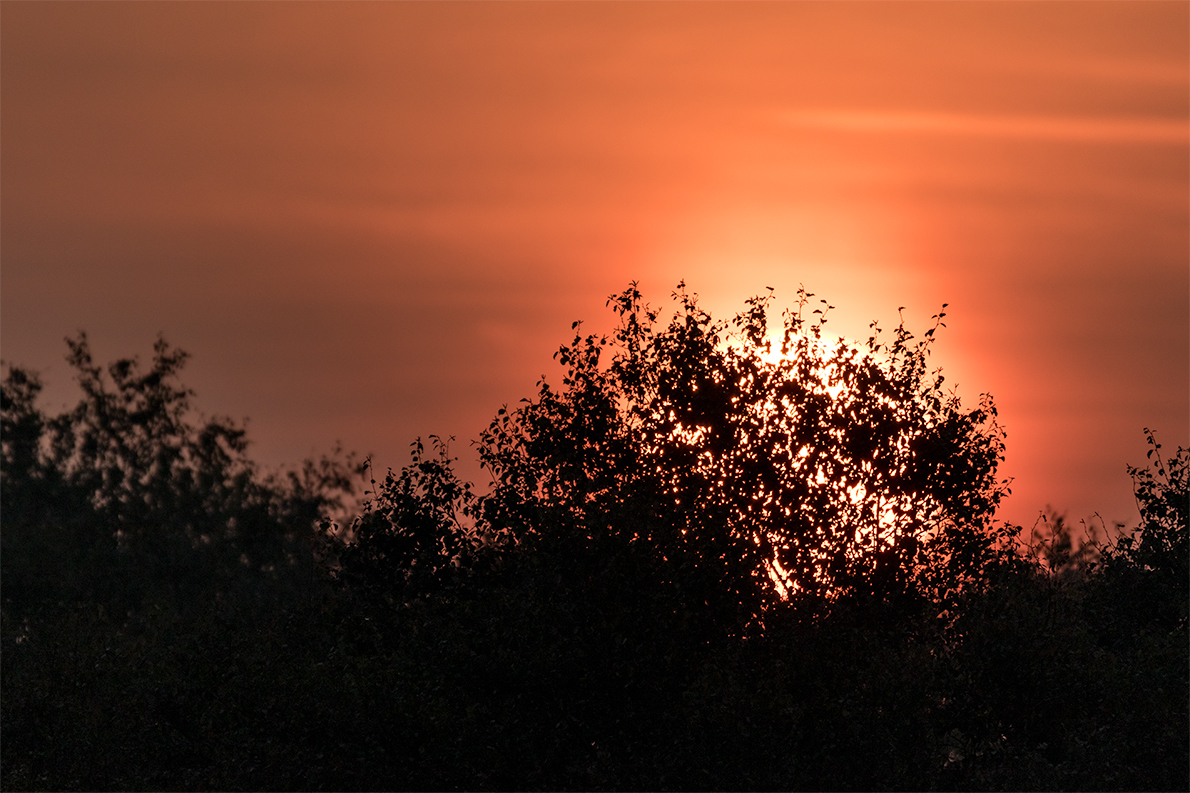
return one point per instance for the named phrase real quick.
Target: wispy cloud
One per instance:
(1026, 127)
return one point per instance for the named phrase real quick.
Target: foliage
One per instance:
(125, 499)
(415, 537)
(827, 471)
(1161, 497)
(609, 616)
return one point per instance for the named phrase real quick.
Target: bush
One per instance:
(699, 566)
(830, 471)
(125, 500)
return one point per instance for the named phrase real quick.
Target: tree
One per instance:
(415, 537)
(127, 496)
(1150, 567)
(828, 470)
(1163, 499)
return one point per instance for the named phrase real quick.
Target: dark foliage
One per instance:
(124, 501)
(700, 565)
(826, 472)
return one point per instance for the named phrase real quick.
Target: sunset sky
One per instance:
(374, 221)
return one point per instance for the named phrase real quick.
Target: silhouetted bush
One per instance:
(826, 472)
(124, 500)
(700, 565)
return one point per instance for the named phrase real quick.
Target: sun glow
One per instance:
(876, 520)
(771, 354)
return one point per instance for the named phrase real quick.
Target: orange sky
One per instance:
(377, 221)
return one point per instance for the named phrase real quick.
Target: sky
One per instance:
(370, 222)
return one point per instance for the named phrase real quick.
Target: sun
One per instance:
(821, 348)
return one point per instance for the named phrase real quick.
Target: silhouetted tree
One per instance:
(713, 558)
(1147, 570)
(821, 471)
(127, 481)
(1161, 543)
(416, 535)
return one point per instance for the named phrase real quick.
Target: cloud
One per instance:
(1025, 127)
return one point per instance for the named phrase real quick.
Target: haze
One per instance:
(371, 222)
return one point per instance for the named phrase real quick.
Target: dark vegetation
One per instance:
(694, 569)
